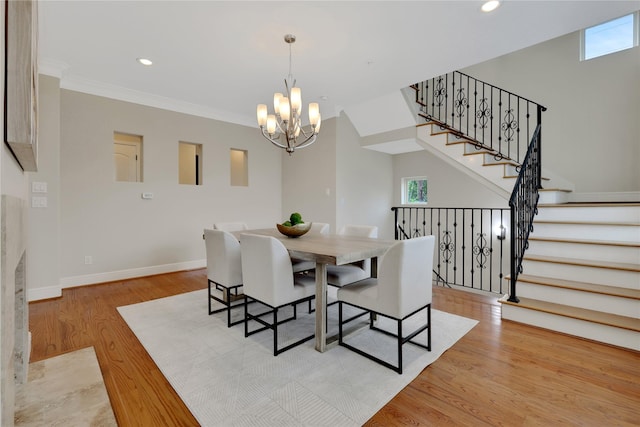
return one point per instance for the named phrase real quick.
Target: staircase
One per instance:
(581, 273)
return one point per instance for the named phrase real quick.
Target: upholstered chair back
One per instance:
(404, 277)
(266, 269)
(230, 226)
(224, 265)
(319, 228)
(361, 231)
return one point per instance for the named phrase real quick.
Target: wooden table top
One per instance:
(326, 248)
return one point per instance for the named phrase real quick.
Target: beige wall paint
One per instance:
(110, 222)
(591, 129)
(43, 248)
(364, 182)
(309, 179)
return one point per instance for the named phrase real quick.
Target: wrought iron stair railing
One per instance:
(492, 118)
(503, 123)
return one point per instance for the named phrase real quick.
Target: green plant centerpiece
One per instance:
(295, 227)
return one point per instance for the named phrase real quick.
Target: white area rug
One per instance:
(228, 380)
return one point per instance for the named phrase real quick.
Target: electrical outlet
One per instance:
(88, 259)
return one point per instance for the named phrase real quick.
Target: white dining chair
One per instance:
(269, 279)
(230, 226)
(299, 265)
(224, 271)
(341, 275)
(401, 290)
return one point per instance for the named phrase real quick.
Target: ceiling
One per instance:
(220, 59)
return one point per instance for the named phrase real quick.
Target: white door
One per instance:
(126, 157)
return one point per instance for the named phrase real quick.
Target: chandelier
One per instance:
(285, 126)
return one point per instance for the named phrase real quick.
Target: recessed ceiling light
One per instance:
(144, 61)
(490, 5)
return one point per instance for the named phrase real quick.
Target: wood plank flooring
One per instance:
(500, 373)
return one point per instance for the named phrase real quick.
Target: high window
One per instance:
(609, 37)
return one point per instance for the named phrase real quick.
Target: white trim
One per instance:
(137, 97)
(110, 276)
(44, 293)
(611, 197)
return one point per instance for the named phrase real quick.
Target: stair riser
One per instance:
(581, 328)
(616, 233)
(553, 197)
(579, 273)
(606, 303)
(590, 213)
(624, 254)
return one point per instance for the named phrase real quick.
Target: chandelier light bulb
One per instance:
(314, 113)
(296, 99)
(276, 102)
(262, 115)
(285, 110)
(271, 124)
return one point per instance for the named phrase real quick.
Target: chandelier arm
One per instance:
(310, 140)
(274, 142)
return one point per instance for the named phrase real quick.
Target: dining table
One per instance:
(325, 249)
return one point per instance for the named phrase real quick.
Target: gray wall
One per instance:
(591, 130)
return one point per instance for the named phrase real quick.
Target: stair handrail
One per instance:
(495, 136)
(524, 206)
(451, 99)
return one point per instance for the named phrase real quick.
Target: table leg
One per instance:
(321, 307)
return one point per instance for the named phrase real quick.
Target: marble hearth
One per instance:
(14, 342)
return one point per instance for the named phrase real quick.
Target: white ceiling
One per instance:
(219, 59)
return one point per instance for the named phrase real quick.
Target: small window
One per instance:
(239, 168)
(609, 37)
(127, 157)
(414, 190)
(190, 163)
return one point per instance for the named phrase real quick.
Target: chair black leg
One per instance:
(275, 330)
(399, 370)
(209, 296)
(246, 316)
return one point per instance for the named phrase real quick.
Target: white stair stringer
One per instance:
(454, 154)
(497, 173)
(581, 273)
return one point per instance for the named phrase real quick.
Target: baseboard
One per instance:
(110, 276)
(611, 197)
(44, 293)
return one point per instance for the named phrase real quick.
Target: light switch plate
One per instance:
(38, 202)
(147, 195)
(38, 187)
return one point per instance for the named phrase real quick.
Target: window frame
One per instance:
(405, 188)
(635, 18)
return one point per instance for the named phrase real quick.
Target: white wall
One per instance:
(447, 187)
(126, 235)
(591, 128)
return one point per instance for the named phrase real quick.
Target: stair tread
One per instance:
(610, 319)
(564, 190)
(586, 241)
(584, 262)
(580, 286)
(564, 222)
(591, 205)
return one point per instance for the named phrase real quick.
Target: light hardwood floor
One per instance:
(500, 373)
